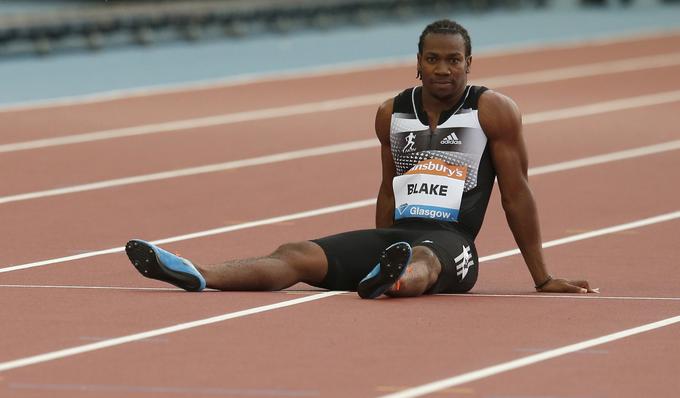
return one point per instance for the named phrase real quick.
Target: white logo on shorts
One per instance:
(464, 262)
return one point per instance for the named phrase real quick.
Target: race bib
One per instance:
(430, 189)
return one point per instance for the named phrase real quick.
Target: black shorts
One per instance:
(352, 255)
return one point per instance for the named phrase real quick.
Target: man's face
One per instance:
(443, 64)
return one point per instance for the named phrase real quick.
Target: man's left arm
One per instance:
(502, 122)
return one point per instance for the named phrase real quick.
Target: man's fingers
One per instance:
(569, 288)
(585, 285)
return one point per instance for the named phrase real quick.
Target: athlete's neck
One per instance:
(434, 106)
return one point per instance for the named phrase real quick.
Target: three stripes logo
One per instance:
(451, 139)
(464, 262)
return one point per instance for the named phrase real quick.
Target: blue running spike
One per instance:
(392, 265)
(155, 263)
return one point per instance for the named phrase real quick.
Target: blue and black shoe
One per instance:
(392, 265)
(156, 263)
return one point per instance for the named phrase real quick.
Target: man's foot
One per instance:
(156, 263)
(393, 262)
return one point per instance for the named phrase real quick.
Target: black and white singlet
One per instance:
(445, 174)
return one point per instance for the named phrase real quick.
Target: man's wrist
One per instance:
(541, 285)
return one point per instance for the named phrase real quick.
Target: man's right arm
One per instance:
(384, 212)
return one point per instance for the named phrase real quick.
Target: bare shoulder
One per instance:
(383, 119)
(499, 115)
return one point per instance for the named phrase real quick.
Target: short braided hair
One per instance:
(445, 26)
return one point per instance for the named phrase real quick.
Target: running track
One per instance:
(295, 158)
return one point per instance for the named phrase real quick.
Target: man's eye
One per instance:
(431, 59)
(454, 61)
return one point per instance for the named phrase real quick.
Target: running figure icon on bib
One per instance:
(430, 189)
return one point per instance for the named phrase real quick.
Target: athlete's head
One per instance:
(444, 58)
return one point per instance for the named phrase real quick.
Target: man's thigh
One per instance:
(458, 257)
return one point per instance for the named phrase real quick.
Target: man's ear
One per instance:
(468, 64)
(419, 70)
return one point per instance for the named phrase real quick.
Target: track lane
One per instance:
(643, 366)
(26, 125)
(634, 65)
(613, 263)
(431, 324)
(586, 211)
(551, 75)
(74, 318)
(144, 154)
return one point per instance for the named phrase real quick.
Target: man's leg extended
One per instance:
(289, 264)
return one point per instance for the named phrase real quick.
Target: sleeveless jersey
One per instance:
(458, 142)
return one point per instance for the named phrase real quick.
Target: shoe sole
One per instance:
(392, 265)
(146, 261)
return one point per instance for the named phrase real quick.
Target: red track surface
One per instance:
(338, 346)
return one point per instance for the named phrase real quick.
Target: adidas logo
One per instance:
(451, 139)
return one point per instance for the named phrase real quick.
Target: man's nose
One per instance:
(442, 68)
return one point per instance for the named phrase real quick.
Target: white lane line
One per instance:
(210, 232)
(92, 287)
(592, 234)
(563, 166)
(210, 121)
(374, 99)
(184, 326)
(567, 296)
(603, 107)
(315, 71)
(585, 110)
(579, 71)
(528, 360)
(4, 366)
(466, 295)
(157, 391)
(190, 171)
(606, 158)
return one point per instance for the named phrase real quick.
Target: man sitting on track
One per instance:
(442, 146)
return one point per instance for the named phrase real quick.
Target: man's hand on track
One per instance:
(567, 286)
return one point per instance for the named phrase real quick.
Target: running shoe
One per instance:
(153, 262)
(392, 265)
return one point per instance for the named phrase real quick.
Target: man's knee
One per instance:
(423, 253)
(421, 273)
(305, 258)
(427, 257)
(295, 251)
